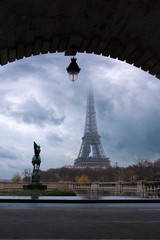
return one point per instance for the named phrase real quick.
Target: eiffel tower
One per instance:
(91, 153)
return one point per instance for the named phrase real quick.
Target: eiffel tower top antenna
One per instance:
(91, 153)
(90, 124)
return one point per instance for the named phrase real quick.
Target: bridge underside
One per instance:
(127, 30)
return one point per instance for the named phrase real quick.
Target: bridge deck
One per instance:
(80, 221)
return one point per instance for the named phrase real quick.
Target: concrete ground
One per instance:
(79, 221)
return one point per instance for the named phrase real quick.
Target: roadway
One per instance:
(79, 221)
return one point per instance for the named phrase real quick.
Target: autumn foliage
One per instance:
(83, 178)
(142, 169)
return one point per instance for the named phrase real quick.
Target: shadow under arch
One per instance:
(127, 30)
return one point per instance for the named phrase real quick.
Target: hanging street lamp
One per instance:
(73, 70)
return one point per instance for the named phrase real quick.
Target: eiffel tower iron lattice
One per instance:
(91, 153)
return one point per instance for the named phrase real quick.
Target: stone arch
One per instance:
(127, 30)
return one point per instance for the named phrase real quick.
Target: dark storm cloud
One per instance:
(5, 105)
(53, 139)
(12, 72)
(7, 153)
(32, 112)
(129, 120)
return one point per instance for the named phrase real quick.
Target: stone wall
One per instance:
(141, 188)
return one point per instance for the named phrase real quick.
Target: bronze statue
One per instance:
(36, 160)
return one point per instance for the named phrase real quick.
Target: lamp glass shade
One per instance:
(73, 75)
(73, 70)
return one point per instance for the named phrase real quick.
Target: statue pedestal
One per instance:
(36, 161)
(35, 186)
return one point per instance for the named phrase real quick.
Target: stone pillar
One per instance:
(118, 189)
(140, 189)
(70, 186)
(2, 186)
(94, 187)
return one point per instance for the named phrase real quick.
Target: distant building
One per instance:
(91, 153)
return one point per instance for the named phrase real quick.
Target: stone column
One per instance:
(118, 189)
(94, 187)
(140, 189)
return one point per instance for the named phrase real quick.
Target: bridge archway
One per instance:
(127, 30)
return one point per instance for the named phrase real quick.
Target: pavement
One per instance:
(79, 220)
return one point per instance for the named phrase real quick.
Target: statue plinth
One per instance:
(32, 186)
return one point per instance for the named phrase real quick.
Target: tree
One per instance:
(157, 169)
(16, 177)
(51, 175)
(144, 169)
(157, 163)
(83, 178)
(26, 175)
(127, 174)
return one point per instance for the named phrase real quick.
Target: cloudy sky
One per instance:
(39, 103)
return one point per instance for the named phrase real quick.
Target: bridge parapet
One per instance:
(151, 187)
(140, 188)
